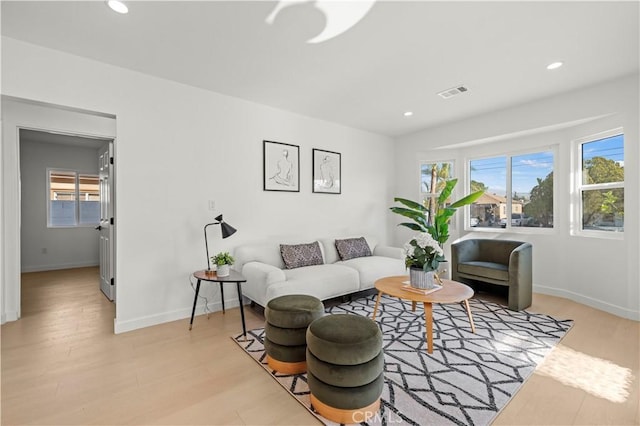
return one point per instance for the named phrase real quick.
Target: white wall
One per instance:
(44, 248)
(178, 147)
(598, 272)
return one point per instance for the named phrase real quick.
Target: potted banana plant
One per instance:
(437, 223)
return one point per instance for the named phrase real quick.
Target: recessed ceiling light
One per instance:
(408, 114)
(554, 65)
(118, 6)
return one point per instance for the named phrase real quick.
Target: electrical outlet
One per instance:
(212, 205)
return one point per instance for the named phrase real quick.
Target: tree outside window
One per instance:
(433, 177)
(601, 186)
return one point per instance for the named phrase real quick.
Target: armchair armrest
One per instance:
(520, 263)
(388, 251)
(462, 251)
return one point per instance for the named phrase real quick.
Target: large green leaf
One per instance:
(411, 204)
(413, 226)
(446, 191)
(411, 214)
(467, 200)
(445, 213)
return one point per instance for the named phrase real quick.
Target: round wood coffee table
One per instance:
(451, 292)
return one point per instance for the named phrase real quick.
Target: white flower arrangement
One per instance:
(423, 252)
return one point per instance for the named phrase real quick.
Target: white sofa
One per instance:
(263, 267)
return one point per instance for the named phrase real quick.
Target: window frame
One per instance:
(77, 175)
(579, 187)
(554, 149)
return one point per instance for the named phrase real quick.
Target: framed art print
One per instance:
(326, 172)
(281, 166)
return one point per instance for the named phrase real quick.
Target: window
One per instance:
(489, 175)
(73, 199)
(601, 183)
(433, 177)
(532, 190)
(518, 191)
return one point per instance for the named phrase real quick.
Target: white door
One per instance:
(106, 227)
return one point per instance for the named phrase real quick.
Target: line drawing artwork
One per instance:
(284, 170)
(326, 172)
(281, 166)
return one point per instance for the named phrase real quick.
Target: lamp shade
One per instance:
(227, 230)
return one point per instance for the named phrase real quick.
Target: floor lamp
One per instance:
(226, 229)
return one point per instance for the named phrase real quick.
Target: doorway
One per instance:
(80, 128)
(66, 207)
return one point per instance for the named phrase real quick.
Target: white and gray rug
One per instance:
(469, 377)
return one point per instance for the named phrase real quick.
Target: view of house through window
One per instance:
(489, 175)
(74, 199)
(601, 188)
(531, 186)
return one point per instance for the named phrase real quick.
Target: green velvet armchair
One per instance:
(501, 262)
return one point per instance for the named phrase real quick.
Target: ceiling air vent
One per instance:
(446, 94)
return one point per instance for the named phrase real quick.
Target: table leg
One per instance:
(244, 327)
(428, 319)
(413, 306)
(195, 300)
(375, 309)
(222, 296)
(473, 327)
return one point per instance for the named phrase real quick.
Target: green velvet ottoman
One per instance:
(345, 365)
(287, 319)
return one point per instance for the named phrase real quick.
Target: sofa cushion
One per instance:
(372, 268)
(351, 248)
(496, 271)
(322, 281)
(299, 255)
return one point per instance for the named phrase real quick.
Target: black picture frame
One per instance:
(281, 166)
(327, 172)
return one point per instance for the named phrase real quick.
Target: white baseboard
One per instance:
(585, 300)
(148, 321)
(9, 316)
(40, 268)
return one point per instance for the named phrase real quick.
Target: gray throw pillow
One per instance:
(351, 248)
(298, 255)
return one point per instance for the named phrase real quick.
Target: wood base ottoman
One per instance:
(287, 319)
(345, 366)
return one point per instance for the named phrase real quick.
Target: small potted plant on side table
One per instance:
(223, 261)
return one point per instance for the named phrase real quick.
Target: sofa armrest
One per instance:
(264, 273)
(388, 251)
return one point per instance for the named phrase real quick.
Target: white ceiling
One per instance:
(397, 58)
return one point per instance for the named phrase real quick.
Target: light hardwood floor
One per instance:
(62, 364)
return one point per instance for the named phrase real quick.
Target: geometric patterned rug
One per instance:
(469, 377)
